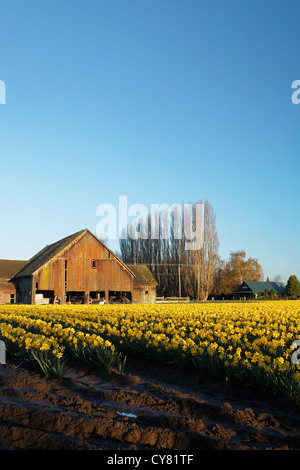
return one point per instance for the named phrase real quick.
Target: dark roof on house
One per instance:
(8, 268)
(143, 275)
(50, 251)
(277, 288)
(258, 287)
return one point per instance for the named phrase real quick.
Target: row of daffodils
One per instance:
(251, 342)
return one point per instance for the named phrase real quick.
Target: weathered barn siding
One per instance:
(92, 267)
(144, 294)
(7, 292)
(4, 297)
(24, 290)
(50, 277)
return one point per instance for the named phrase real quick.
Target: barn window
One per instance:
(146, 292)
(94, 264)
(12, 298)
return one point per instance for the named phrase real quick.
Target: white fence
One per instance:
(2, 353)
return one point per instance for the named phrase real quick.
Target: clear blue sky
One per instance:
(162, 101)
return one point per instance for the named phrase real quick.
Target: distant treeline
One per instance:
(181, 271)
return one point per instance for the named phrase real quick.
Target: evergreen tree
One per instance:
(293, 287)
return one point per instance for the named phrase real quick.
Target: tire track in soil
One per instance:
(150, 407)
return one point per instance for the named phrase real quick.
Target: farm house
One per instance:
(254, 289)
(76, 269)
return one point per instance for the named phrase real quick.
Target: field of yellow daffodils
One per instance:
(251, 342)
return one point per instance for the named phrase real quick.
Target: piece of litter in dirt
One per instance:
(130, 415)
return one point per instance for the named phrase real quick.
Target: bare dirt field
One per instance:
(149, 407)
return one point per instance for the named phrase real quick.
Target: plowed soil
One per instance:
(149, 407)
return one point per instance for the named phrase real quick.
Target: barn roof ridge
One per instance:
(53, 250)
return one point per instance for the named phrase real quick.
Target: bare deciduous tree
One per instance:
(203, 263)
(179, 270)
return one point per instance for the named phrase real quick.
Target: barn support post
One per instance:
(32, 297)
(86, 297)
(32, 291)
(106, 297)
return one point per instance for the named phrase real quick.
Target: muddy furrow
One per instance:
(149, 407)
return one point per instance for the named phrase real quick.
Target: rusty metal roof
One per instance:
(46, 254)
(8, 268)
(143, 275)
(7, 286)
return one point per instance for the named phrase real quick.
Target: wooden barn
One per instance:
(144, 284)
(76, 269)
(8, 268)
